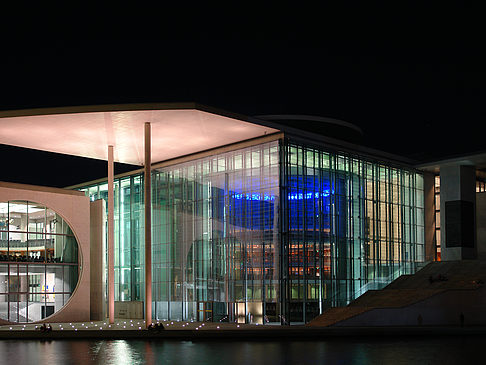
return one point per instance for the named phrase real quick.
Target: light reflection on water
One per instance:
(441, 350)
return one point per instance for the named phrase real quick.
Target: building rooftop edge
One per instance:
(47, 189)
(99, 108)
(477, 159)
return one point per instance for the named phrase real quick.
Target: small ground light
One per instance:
(139, 328)
(217, 327)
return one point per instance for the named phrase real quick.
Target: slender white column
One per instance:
(148, 227)
(111, 239)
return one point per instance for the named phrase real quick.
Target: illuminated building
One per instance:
(251, 220)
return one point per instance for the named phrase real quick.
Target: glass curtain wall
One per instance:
(348, 225)
(129, 234)
(215, 237)
(276, 232)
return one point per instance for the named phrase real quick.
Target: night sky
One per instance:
(415, 93)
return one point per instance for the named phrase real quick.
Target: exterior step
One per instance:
(434, 278)
(335, 315)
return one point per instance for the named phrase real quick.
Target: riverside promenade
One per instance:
(184, 330)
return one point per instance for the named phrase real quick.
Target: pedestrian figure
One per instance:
(419, 320)
(461, 319)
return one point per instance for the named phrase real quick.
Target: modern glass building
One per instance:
(248, 220)
(272, 231)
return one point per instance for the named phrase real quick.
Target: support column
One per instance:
(429, 212)
(148, 227)
(458, 212)
(111, 239)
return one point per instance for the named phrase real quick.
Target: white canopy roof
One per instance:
(177, 130)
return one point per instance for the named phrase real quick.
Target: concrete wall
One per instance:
(97, 258)
(73, 206)
(481, 224)
(443, 309)
(457, 182)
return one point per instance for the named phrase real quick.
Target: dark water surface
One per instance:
(440, 350)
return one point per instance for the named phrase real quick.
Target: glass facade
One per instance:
(215, 238)
(275, 232)
(129, 234)
(348, 225)
(38, 261)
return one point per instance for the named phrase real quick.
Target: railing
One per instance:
(39, 243)
(380, 283)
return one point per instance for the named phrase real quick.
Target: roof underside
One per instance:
(175, 132)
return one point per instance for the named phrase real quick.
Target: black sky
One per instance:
(414, 82)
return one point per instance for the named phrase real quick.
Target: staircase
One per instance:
(406, 290)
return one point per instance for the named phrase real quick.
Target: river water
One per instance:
(439, 350)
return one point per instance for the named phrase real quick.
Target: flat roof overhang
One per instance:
(477, 159)
(176, 130)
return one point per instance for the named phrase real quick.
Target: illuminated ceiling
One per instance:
(177, 130)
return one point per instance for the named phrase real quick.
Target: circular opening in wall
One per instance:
(38, 261)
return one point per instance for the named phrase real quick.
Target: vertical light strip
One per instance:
(148, 227)
(111, 239)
